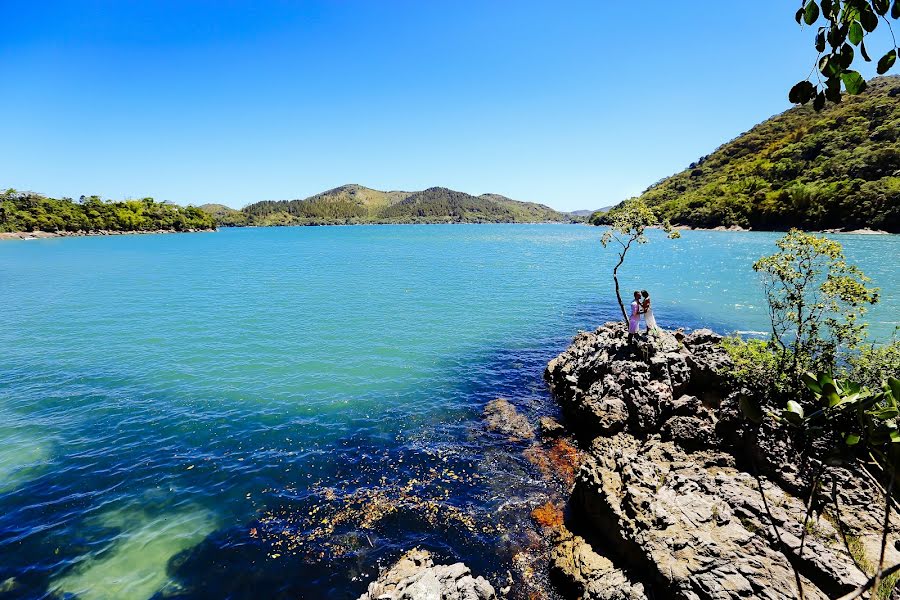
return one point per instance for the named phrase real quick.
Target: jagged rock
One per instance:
(416, 577)
(551, 428)
(578, 569)
(607, 385)
(666, 482)
(698, 525)
(502, 417)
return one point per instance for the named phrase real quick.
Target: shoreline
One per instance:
(42, 235)
(738, 228)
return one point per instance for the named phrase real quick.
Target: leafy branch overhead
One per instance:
(845, 26)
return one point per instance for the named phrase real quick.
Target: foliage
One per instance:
(353, 204)
(626, 227)
(874, 364)
(845, 24)
(836, 169)
(27, 211)
(816, 301)
(755, 366)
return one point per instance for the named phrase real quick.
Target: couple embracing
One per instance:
(641, 306)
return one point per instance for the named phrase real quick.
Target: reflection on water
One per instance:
(134, 551)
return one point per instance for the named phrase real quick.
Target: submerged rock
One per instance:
(668, 488)
(416, 577)
(550, 428)
(502, 417)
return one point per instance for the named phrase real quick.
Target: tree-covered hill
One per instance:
(27, 211)
(350, 204)
(835, 169)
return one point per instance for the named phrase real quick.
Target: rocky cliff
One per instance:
(680, 496)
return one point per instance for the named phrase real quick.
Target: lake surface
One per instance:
(273, 412)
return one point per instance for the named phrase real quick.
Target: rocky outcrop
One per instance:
(666, 487)
(416, 577)
(502, 417)
(583, 573)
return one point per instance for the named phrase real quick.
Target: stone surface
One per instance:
(416, 577)
(667, 484)
(578, 570)
(502, 417)
(550, 428)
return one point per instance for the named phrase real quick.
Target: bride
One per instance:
(649, 319)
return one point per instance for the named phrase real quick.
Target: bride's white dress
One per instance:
(649, 319)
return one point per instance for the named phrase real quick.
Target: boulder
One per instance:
(550, 428)
(416, 577)
(502, 417)
(577, 569)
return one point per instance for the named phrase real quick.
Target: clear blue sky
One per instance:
(574, 104)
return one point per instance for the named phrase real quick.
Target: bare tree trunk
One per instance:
(616, 279)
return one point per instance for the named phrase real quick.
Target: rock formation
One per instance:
(688, 499)
(416, 577)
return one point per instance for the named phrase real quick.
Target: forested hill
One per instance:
(27, 211)
(839, 168)
(351, 204)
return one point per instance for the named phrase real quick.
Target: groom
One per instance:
(634, 321)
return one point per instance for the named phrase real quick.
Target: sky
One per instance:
(577, 105)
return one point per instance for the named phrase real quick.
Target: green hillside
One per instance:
(836, 169)
(350, 204)
(27, 211)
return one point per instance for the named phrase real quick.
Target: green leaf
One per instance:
(895, 436)
(852, 439)
(801, 93)
(830, 65)
(862, 50)
(895, 10)
(853, 82)
(868, 18)
(894, 385)
(751, 409)
(811, 12)
(880, 6)
(819, 102)
(846, 57)
(887, 413)
(793, 412)
(799, 16)
(820, 40)
(856, 33)
(887, 61)
(812, 383)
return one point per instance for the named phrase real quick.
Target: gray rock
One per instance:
(662, 487)
(580, 571)
(416, 577)
(501, 416)
(550, 428)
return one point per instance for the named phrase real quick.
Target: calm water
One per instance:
(271, 412)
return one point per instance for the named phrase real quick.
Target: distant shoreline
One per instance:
(40, 235)
(737, 228)
(37, 235)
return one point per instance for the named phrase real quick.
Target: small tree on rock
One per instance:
(816, 301)
(626, 227)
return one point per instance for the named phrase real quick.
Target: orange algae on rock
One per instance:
(548, 515)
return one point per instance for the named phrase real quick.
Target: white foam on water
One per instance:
(134, 567)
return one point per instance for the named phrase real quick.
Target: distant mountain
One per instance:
(586, 213)
(838, 168)
(352, 204)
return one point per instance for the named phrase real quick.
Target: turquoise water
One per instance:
(271, 412)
